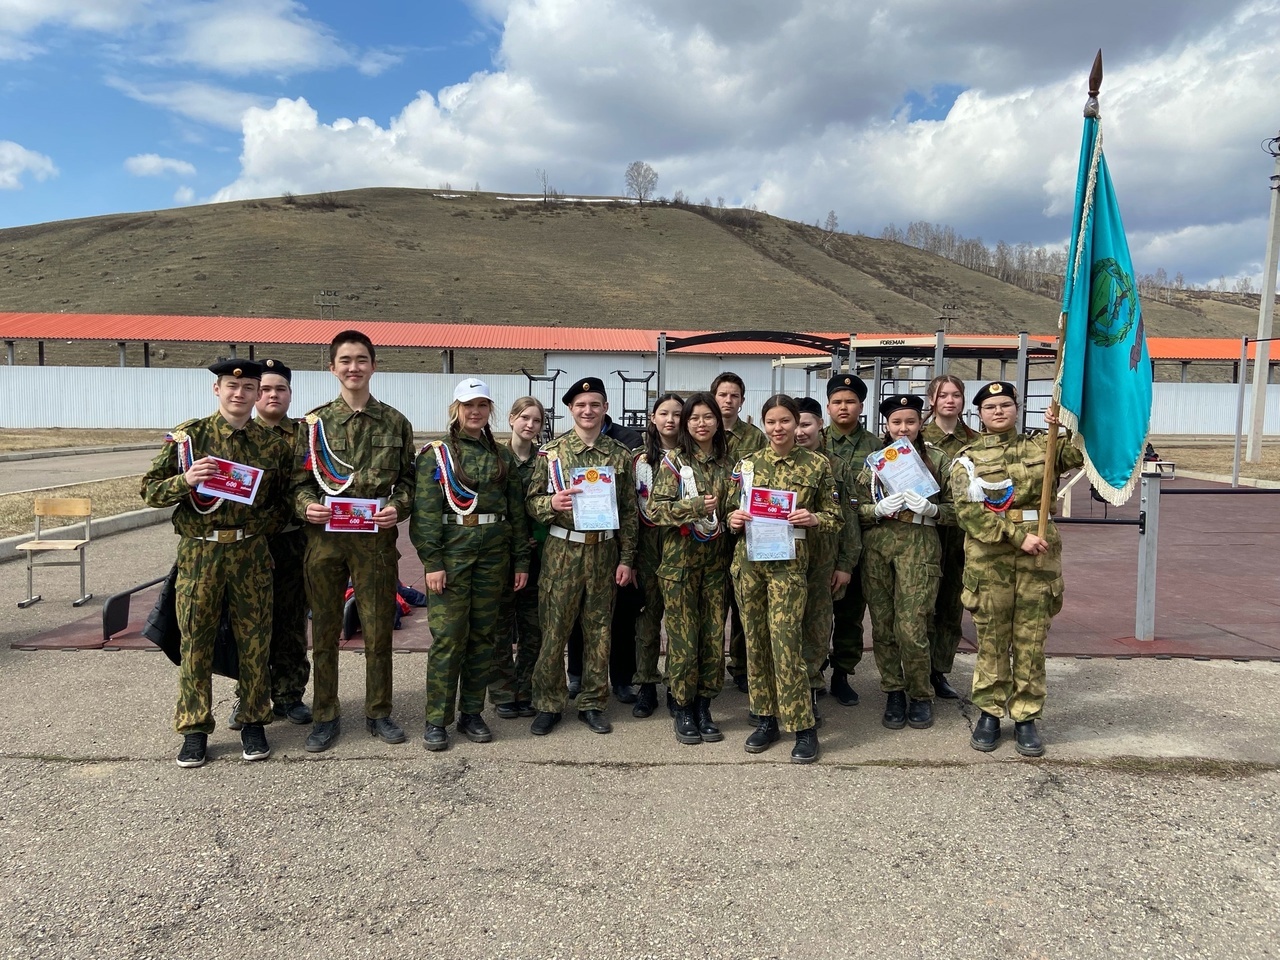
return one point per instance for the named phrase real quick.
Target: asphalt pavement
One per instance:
(45, 472)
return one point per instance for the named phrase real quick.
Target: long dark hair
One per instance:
(653, 448)
(719, 442)
(455, 433)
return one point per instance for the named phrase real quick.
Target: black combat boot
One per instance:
(686, 725)
(764, 736)
(986, 733)
(895, 710)
(841, 690)
(920, 714)
(707, 726)
(806, 748)
(1026, 739)
(646, 701)
(941, 688)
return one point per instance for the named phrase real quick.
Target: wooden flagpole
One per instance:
(1050, 485)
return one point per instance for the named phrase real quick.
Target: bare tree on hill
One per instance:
(641, 179)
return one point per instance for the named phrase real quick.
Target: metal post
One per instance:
(1266, 311)
(1235, 459)
(9, 351)
(40, 352)
(1023, 350)
(939, 354)
(121, 345)
(1148, 539)
(230, 346)
(662, 363)
(146, 353)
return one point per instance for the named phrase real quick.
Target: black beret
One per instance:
(846, 381)
(585, 385)
(810, 406)
(901, 401)
(279, 368)
(251, 369)
(997, 388)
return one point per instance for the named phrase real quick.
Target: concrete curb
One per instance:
(1226, 478)
(73, 451)
(102, 527)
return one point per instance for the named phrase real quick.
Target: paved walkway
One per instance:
(44, 472)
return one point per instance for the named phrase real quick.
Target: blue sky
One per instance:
(961, 114)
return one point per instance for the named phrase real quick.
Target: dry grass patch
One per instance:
(12, 441)
(109, 498)
(1216, 458)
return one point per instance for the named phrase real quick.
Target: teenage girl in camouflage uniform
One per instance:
(691, 488)
(469, 530)
(771, 594)
(900, 570)
(950, 434)
(511, 689)
(1012, 576)
(659, 439)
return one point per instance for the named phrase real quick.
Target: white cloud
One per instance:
(184, 195)
(154, 165)
(248, 36)
(17, 161)
(203, 102)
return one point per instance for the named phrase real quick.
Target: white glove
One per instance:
(889, 505)
(921, 505)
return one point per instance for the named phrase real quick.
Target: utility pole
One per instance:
(1266, 313)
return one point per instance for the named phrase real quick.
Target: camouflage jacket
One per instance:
(378, 444)
(848, 543)
(479, 462)
(254, 445)
(997, 458)
(949, 443)
(745, 439)
(674, 514)
(572, 452)
(807, 473)
(942, 470)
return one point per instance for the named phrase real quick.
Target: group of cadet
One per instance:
(513, 583)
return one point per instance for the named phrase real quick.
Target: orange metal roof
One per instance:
(448, 336)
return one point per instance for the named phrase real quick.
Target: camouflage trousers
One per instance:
(772, 599)
(818, 608)
(945, 624)
(1012, 597)
(847, 615)
(737, 636)
(371, 561)
(900, 575)
(519, 627)
(207, 573)
(464, 619)
(576, 577)
(695, 609)
(288, 660)
(649, 623)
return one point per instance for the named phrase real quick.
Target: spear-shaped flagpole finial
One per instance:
(1095, 85)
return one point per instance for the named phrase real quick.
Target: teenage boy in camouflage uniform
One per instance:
(289, 667)
(580, 569)
(356, 446)
(223, 557)
(744, 439)
(851, 442)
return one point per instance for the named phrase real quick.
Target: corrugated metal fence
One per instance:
(141, 398)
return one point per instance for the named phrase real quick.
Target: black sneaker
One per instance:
(323, 735)
(506, 711)
(526, 708)
(193, 752)
(254, 740)
(232, 722)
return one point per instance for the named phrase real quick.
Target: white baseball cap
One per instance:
(472, 389)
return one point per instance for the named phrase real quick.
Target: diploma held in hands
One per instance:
(352, 514)
(595, 507)
(234, 481)
(769, 535)
(899, 468)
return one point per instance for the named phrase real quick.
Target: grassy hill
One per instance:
(414, 255)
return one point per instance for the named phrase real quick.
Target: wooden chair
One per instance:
(58, 507)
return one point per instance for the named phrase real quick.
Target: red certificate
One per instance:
(352, 514)
(769, 504)
(235, 481)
